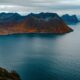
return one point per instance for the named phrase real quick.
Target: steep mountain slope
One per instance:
(33, 23)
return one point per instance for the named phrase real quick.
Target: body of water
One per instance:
(42, 57)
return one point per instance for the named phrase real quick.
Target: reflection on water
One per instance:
(37, 57)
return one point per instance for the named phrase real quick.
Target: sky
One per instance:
(27, 6)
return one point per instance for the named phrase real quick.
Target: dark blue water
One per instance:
(42, 57)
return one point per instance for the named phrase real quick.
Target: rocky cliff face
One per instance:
(32, 23)
(6, 75)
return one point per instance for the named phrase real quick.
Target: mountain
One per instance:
(11, 23)
(10, 17)
(46, 16)
(70, 19)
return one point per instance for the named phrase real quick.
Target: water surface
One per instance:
(42, 57)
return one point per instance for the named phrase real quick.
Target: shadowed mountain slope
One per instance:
(70, 19)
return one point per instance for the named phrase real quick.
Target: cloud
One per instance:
(26, 6)
(70, 2)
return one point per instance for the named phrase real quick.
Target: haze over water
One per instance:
(42, 58)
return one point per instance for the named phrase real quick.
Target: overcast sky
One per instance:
(27, 6)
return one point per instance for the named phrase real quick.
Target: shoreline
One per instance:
(35, 33)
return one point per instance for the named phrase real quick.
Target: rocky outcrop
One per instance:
(6, 75)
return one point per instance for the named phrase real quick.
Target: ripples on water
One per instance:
(42, 58)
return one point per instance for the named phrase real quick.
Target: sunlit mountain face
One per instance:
(11, 23)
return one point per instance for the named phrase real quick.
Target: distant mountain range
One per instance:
(70, 19)
(11, 23)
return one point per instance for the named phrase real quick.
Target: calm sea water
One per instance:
(42, 58)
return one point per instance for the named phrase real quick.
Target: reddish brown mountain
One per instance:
(34, 24)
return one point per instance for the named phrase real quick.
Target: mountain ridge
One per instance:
(32, 23)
